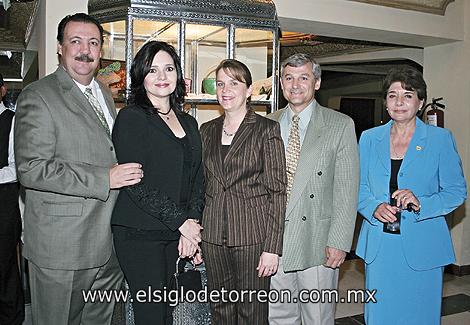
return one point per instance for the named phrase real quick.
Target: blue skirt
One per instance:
(404, 296)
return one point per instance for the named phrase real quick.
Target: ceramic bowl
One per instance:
(209, 86)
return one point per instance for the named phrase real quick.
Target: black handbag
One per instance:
(186, 278)
(193, 313)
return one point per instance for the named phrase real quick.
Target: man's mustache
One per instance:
(84, 58)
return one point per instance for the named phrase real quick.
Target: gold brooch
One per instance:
(418, 148)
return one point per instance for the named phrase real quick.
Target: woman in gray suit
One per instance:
(243, 220)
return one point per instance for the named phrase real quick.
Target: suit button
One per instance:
(319, 173)
(111, 148)
(304, 218)
(401, 174)
(312, 196)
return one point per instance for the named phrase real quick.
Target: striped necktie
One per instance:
(95, 104)
(293, 153)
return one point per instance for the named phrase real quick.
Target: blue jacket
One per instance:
(432, 170)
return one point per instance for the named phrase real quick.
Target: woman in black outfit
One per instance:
(158, 219)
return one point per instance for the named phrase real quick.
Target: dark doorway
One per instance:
(361, 110)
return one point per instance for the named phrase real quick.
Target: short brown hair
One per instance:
(410, 79)
(235, 69)
(79, 17)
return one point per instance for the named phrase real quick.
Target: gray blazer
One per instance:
(63, 156)
(322, 207)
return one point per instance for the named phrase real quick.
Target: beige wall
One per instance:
(50, 14)
(368, 22)
(446, 56)
(447, 71)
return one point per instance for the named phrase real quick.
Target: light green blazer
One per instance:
(322, 207)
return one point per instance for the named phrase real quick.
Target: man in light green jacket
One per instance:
(322, 195)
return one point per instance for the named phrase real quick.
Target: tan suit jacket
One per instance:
(63, 155)
(322, 207)
(245, 192)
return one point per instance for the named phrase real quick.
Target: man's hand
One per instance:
(125, 175)
(268, 264)
(334, 257)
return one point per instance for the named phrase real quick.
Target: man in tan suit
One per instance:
(67, 164)
(322, 194)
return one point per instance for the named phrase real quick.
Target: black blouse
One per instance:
(172, 188)
(396, 164)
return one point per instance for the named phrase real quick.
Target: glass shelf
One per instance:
(204, 33)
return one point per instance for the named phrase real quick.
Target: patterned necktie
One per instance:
(293, 153)
(95, 104)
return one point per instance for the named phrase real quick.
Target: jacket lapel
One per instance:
(71, 90)
(244, 131)
(213, 142)
(190, 130)
(310, 150)
(416, 148)
(108, 99)
(277, 115)
(161, 126)
(382, 147)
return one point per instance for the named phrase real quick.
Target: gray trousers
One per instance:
(57, 299)
(313, 278)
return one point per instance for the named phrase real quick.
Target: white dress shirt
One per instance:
(8, 173)
(96, 90)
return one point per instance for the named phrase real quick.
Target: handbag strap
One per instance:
(178, 263)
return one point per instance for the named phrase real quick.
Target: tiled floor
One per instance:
(456, 302)
(455, 305)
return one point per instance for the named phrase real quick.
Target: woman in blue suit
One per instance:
(411, 177)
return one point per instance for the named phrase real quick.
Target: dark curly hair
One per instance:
(410, 79)
(141, 67)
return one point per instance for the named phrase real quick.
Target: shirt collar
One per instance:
(92, 85)
(304, 116)
(2, 107)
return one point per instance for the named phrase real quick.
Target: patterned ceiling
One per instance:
(437, 7)
(16, 24)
